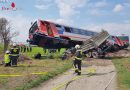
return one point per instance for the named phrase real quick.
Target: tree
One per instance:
(5, 32)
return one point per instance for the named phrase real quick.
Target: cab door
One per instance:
(49, 30)
(42, 28)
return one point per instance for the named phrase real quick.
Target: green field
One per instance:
(35, 50)
(123, 76)
(31, 73)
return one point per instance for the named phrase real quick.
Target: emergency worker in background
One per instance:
(7, 59)
(14, 54)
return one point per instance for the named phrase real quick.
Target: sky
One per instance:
(95, 15)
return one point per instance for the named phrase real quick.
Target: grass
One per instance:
(51, 67)
(43, 78)
(1, 48)
(35, 50)
(44, 69)
(123, 76)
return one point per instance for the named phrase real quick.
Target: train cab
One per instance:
(52, 35)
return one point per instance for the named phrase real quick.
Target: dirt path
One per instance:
(105, 76)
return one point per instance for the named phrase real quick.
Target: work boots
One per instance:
(79, 73)
(76, 71)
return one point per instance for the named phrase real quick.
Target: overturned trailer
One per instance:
(96, 46)
(102, 43)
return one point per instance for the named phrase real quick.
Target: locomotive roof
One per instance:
(67, 26)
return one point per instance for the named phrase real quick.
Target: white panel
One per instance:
(74, 36)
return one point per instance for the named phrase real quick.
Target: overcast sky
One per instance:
(111, 15)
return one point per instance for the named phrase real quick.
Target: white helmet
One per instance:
(14, 44)
(7, 51)
(77, 46)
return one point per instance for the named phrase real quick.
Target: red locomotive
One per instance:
(51, 35)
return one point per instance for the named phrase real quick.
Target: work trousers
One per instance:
(13, 60)
(7, 64)
(77, 66)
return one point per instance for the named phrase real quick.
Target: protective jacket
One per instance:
(78, 54)
(6, 58)
(14, 51)
(77, 61)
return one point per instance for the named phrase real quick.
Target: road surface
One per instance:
(96, 75)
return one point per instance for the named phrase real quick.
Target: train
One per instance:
(52, 35)
(118, 42)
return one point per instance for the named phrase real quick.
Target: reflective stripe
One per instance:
(14, 51)
(75, 68)
(80, 51)
(14, 48)
(78, 54)
(78, 58)
(14, 54)
(79, 70)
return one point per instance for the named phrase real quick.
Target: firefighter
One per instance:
(78, 60)
(7, 59)
(14, 54)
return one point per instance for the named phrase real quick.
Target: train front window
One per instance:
(67, 29)
(59, 29)
(33, 28)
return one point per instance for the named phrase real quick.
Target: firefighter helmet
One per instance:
(7, 52)
(77, 46)
(14, 44)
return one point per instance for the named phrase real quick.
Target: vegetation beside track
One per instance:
(32, 72)
(123, 72)
(1, 48)
(35, 50)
